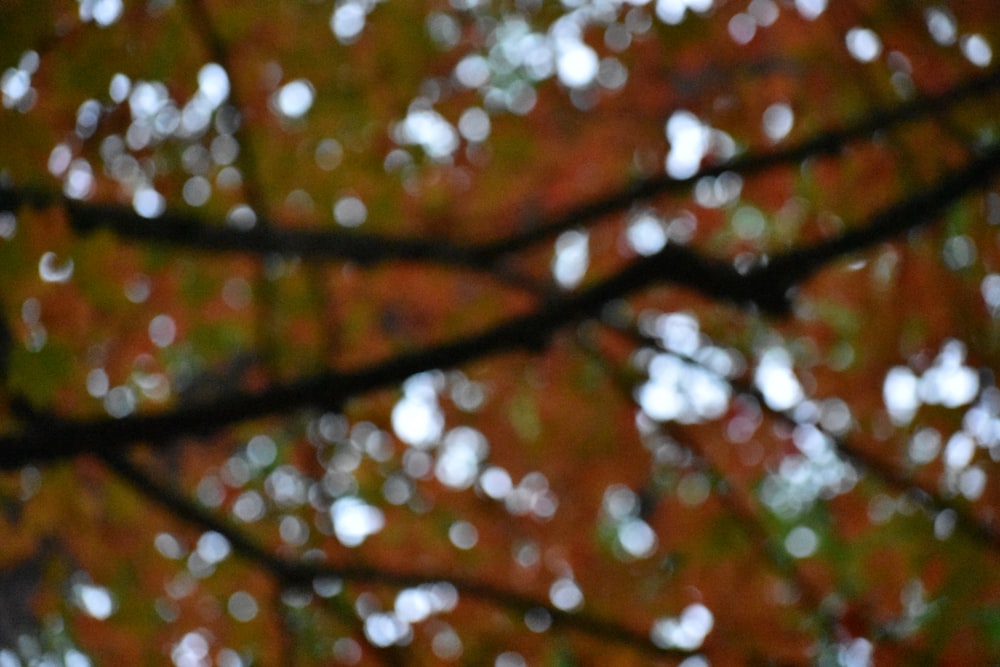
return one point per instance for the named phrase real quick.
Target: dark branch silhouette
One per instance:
(881, 467)
(788, 269)
(766, 286)
(188, 229)
(824, 612)
(829, 142)
(292, 572)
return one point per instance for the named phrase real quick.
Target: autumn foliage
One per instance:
(589, 332)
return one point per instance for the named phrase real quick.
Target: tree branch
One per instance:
(823, 143)
(292, 572)
(888, 474)
(320, 243)
(766, 286)
(188, 230)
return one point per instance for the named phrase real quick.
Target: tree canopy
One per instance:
(499, 333)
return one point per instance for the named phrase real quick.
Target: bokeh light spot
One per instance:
(95, 601)
(776, 381)
(474, 125)
(148, 203)
(348, 20)
(687, 631)
(162, 330)
(242, 606)
(941, 25)
(329, 154)
(101, 12)
(571, 258)
(977, 50)
(350, 211)
(294, 99)
(417, 417)
(778, 120)
(577, 65)
(463, 534)
(810, 9)
(213, 83)
(565, 594)
(801, 542)
(213, 547)
(863, 44)
(354, 520)
(51, 271)
(690, 140)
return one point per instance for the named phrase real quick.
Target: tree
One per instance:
(517, 333)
